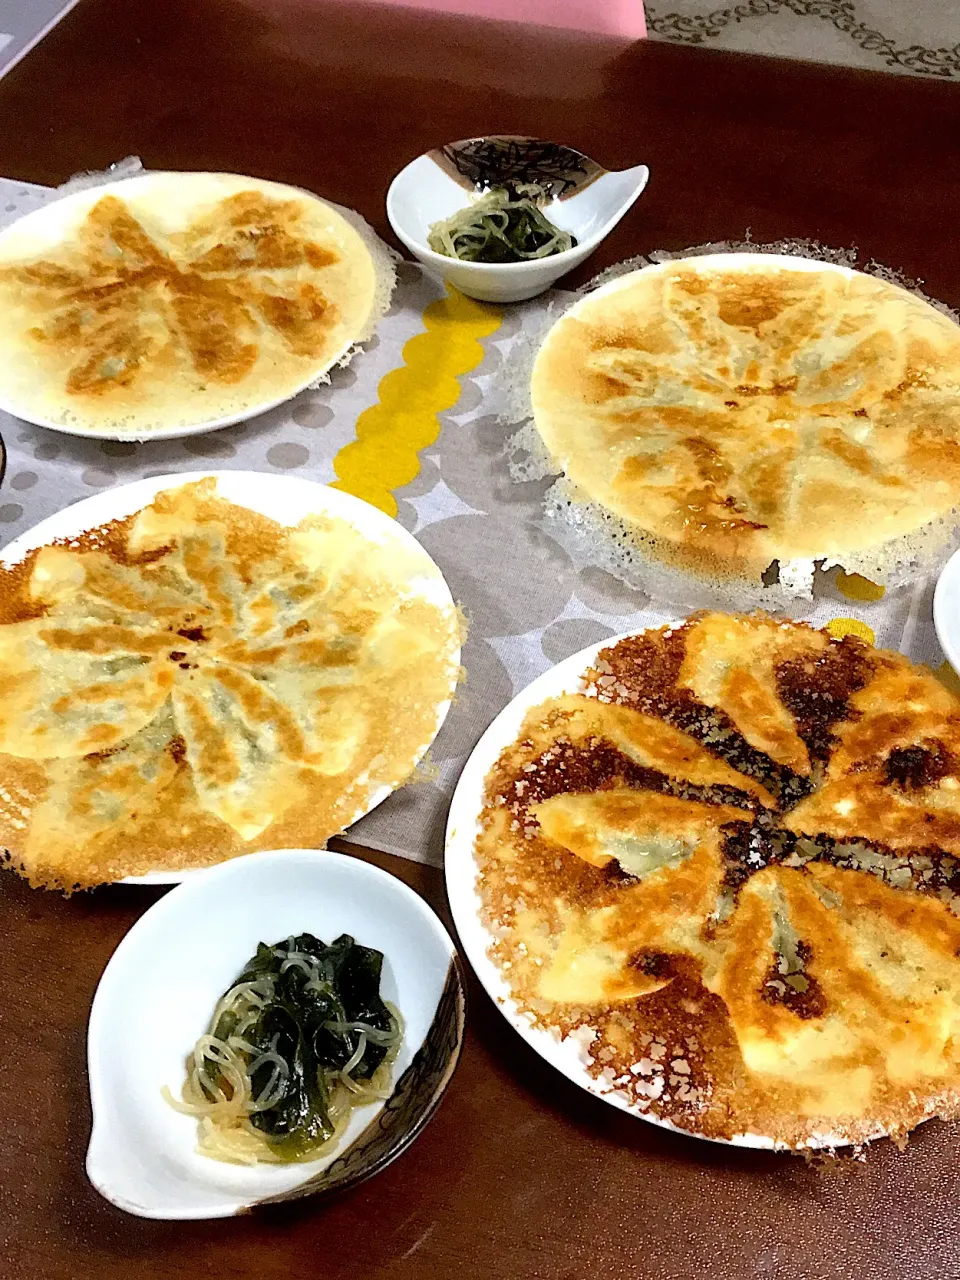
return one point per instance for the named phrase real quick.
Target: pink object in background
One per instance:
(605, 17)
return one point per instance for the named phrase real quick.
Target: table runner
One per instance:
(410, 426)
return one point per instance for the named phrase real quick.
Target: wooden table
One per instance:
(520, 1175)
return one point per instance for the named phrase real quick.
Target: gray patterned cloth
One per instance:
(528, 604)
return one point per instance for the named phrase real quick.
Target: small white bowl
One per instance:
(946, 610)
(587, 200)
(159, 990)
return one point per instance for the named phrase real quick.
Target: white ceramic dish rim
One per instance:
(946, 610)
(465, 904)
(573, 255)
(247, 488)
(210, 424)
(169, 905)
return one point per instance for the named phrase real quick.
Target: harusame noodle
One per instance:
(235, 1114)
(500, 226)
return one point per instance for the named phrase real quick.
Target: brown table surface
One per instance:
(520, 1174)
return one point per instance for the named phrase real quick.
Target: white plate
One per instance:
(946, 610)
(160, 988)
(286, 499)
(465, 902)
(51, 215)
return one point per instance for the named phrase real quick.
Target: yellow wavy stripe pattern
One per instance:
(856, 587)
(390, 434)
(840, 627)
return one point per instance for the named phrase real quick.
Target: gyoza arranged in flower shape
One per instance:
(738, 412)
(731, 867)
(199, 681)
(173, 299)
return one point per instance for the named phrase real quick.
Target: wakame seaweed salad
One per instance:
(299, 1039)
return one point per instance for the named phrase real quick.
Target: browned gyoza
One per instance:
(198, 681)
(735, 859)
(175, 299)
(737, 411)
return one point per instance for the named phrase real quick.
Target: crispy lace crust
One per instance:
(731, 866)
(198, 681)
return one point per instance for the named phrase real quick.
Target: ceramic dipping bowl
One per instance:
(159, 991)
(585, 199)
(946, 610)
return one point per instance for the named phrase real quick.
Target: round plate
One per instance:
(465, 903)
(161, 986)
(796, 580)
(286, 499)
(54, 212)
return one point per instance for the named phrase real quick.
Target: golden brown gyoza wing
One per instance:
(841, 990)
(325, 669)
(908, 945)
(862, 807)
(83, 820)
(893, 778)
(901, 706)
(68, 688)
(663, 855)
(778, 978)
(731, 663)
(646, 740)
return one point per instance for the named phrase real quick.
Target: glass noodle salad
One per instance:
(297, 1042)
(507, 224)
